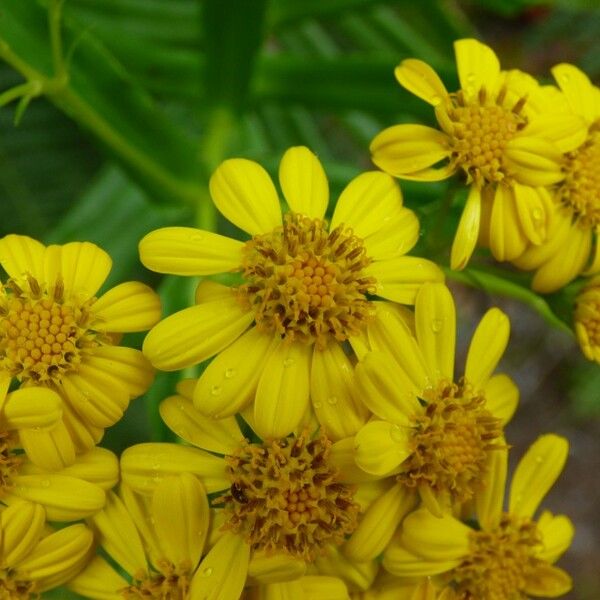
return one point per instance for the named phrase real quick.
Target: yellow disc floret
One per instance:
(450, 442)
(15, 589)
(307, 284)
(170, 583)
(9, 462)
(285, 497)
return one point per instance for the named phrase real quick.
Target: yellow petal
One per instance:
(532, 213)
(381, 447)
(468, 230)
(477, 64)
(396, 237)
(358, 576)
(180, 512)
(501, 397)
(189, 251)
(435, 321)
(229, 382)
(222, 573)
(379, 523)
(401, 562)
(335, 401)
(435, 538)
(222, 436)
(303, 182)
(319, 587)
(209, 291)
(404, 149)
(578, 89)
(534, 160)
(487, 347)
(130, 306)
(143, 466)
(341, 458)
(421, 80)
(194, 334)
(490, 498)
(567, 132)
(386, 389)
(98, 581)
(83, 434)
(548, 581)
(31, 407)
(400, 278)
(289, 590)
(21, 255)
(244, 194)
(283, 390)
(536, 473)
(270, 568)
(50, 449)
(22, 525)
(507, 239)
(557, 534)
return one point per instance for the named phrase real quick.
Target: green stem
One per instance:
(54, 19)
(30, 88)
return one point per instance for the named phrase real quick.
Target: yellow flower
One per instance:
(434, 435)
(34, 559)
(305, 290)
(587, 319)
(498, 129)
(510, 555)
(572, 246)
(159, 541)
(55, 334)
(30, 418)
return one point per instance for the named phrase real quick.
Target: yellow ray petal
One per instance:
(21, 525)
(532, 212)
(400, 278)
(557, 534)
(222, 436)
(333, 393)
(468, 230)
(435, 321)
(578, 89)
(490, 498)
(501, 397)
(548, 582)
(288, 590)
(358, 576)
(222, 574)
(379, 523)
(130, 306)
(195, 334)
(31, 407)
(567, 132)
(270, 568)
(478, 66)
(421, 80)
(209, 291)
(536, 473)
(244, 194)
(320, 587)
(50, 449)
(229, 382)
(534, 160)
(487, 347)
(507, 239)
(396, 237)
(82, 433)
(143, 466)
(380, 447)
(304, 183)
(180, 512)
(404, 149)
(283, 390)
(98, 581)
(189, 251)
(21, 255)
(341, 458)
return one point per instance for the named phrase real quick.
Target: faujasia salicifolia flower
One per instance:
(587, 319)
(500, 132)
(283, 498)
(434, 434)
(572, 246)
(306, 289)
(164, 547)
(56, 334)
(30, 420)
(33, 558)
(500, 553)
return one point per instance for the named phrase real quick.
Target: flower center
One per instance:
(12, 588)
(587, 312)
(479, 129)
(580, 190)
(171, 583)
(285, 497)
(450, 442)
(500, 561)
(307, 284)
(41, 335)
(9, 462)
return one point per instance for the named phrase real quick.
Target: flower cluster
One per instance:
(330, 448)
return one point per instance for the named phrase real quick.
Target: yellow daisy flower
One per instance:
(500, 131)
(434, 435)
(572, 246)
(305, 290)
(587, 319)
(510, 555)
(282, 498)
(55, 333)
(34, 559)
(30, 419)
(159, 543)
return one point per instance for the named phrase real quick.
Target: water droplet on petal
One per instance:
(471, 78)
(537, 214)
(288, 362)
(207, 572)
(229, 373)
(317, 405)
(435, 99)
(45, 483)
(539, 459)
(397, 434)
(333, 400)
(156, 466)
(216, 390)
(197, 237)
(436, 325)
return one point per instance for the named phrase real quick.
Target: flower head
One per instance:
(306, 287)
(587, 319)
(56, 334)
(501, 132)
(509, 555)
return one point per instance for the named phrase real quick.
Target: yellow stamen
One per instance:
(306, 284)
(12, 588)
(587, 318)
(172, 583)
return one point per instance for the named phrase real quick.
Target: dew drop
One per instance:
(288, 362)
(207, 572)
(565, 77)
(436, 325)
(45, 483)
(396, 434)
(197, 237)
(435, 99)
(156, 466)
(332, 400)
(537, 214)
(539, 460)
(471, 78)
(229, 373)
(317, 405)
(216, 390)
